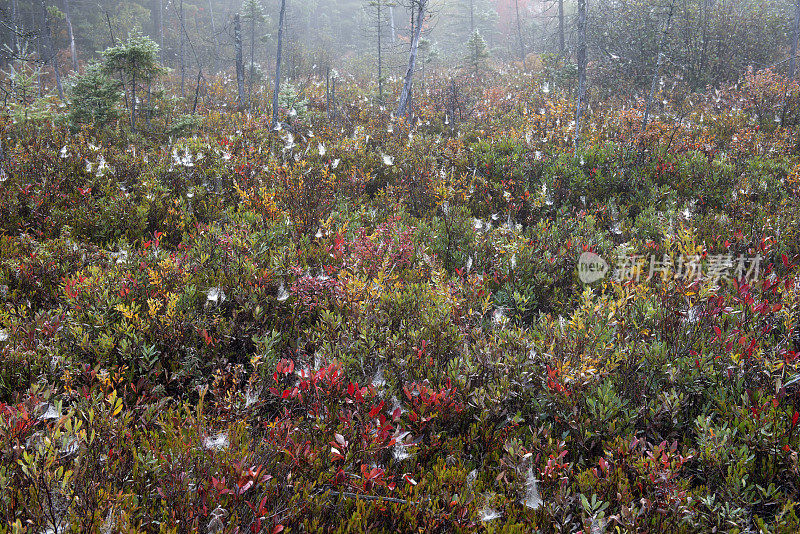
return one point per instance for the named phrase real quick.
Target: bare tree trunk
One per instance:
(561, 39)
(182, 20)
(661, 45)
(328, 92)
(704, 51)
(252, 59)
(214, 33)
(391, 23)
(333, 99)
(472, 34)
(197, 89)
(792, 59)
(39, 82)
(149, 110)
(154, 16)
(50, 50)
(72, 50)
(471, 17)
(15, 22)
(161, 28)
(795, 38)
(402, 108)
(277, 90)
(133, 101)
(519, 34)
(111, 30)
(380, 53)
(237, 45)
(581, 69)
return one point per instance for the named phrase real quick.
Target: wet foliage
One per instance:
(365, 324)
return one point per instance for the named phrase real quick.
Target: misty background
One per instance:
(709, 42)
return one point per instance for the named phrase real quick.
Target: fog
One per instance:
(702, 42)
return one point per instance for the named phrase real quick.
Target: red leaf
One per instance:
(795, 418)
(285, 366)
(373, 413)
(785, 260)
(277, 529)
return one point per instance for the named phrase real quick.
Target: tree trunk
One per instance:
(111, 30)
(795, 38)
(149, 110)
(391, 24)
(471, 17)
(182, 20)
(402, 108)
(561, 39)
(472, 35)
(792, 59)
(333, 98)
(704, 50)
(581, 69)
(39, 82)
(661, 45)
(277, 90)
(380, 54)
(161, 28)
(51, 51)
(155, 15)
(72, 50)
(214, 33)
(197, 89)
(133, 101)
(412, 21)
(237, 45)
(328, 92)
(252, 59)
(15, 18)
(519, 34)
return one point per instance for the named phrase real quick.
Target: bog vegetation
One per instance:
(348, 320)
